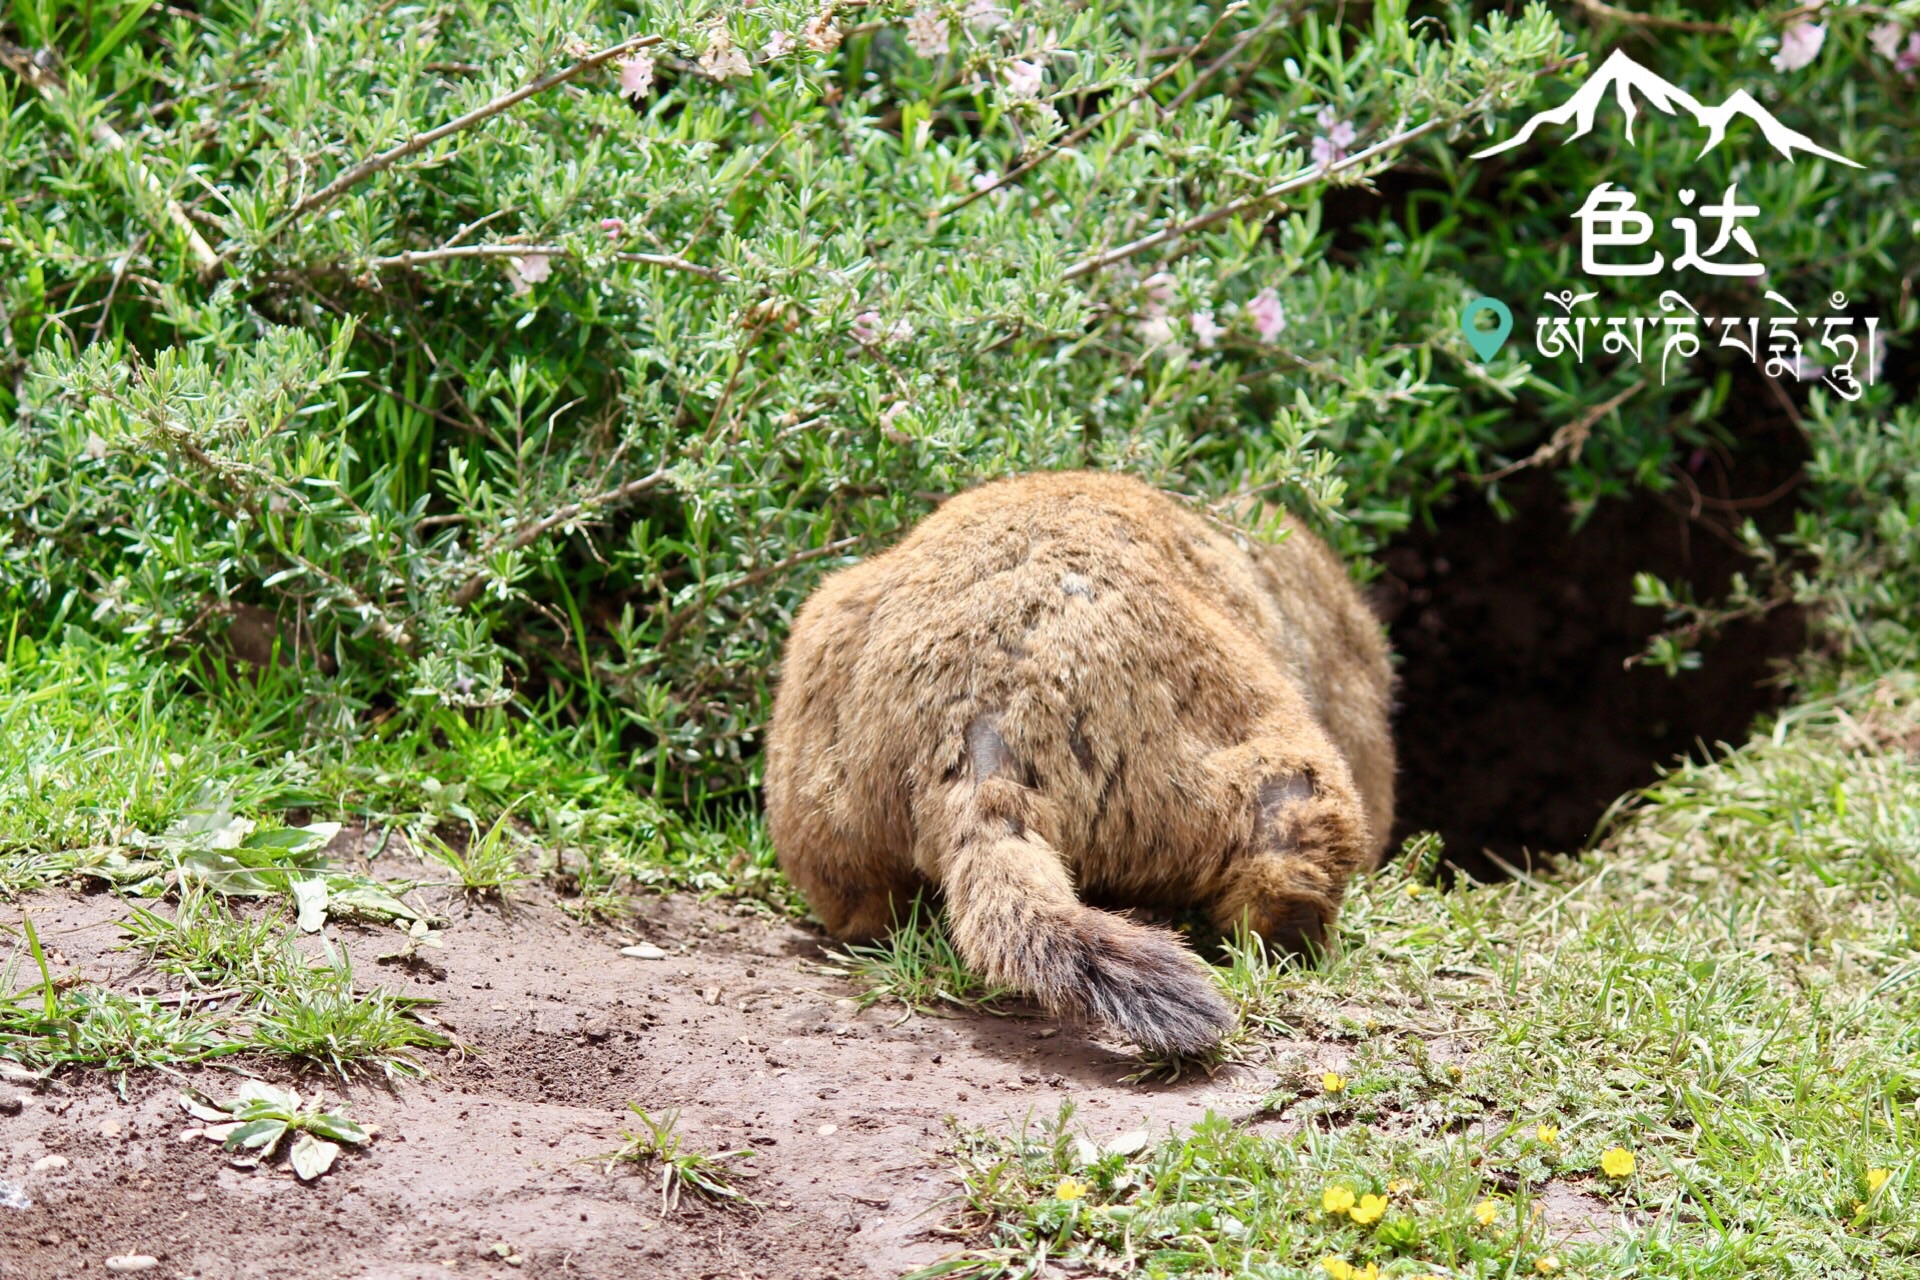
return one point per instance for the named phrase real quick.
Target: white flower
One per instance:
(721, 59)
(528, 270)
(778, 45)
(1268, 316)
(1800, 45)
(636, 75)
(1885, 39)
(820, 33)
(928, 32)
(900, 332)
(1155, 331)
(1023, 78)
(1205, 331)
(984, 16)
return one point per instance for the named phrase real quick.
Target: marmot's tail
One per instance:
(1015, 918)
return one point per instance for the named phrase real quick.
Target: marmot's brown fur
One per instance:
(1069, 680)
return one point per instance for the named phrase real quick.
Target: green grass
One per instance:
(917, 966)
(245, 989)
(658, 1142)
(1729, 990)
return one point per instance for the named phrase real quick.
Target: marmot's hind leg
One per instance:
(1300, 835)
(858, 896)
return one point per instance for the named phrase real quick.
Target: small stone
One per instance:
(50, 1164)
(127, 1263)
(11, 1104)
(596, 1029)
(828, 1130)
(644, 951)
(110, 1129)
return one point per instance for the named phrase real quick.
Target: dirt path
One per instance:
(847, 1112)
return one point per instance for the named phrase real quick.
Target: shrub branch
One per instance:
(1280, 190)
(413, 258)
(421, 141)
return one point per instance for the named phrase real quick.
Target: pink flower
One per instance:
(636, 75)
(1023, 78)
(1885, 39)
(928, 32)
(1268, 316)
(1331, 147)
(1910, 56)
(1805, 370)
(866, 327)
(1159, 287)
(778, 45)
(614, 227)
(1799, 45)
(528, 270)
(1205, 331)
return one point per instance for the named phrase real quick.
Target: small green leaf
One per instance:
(331, 1125)
(263, 1134)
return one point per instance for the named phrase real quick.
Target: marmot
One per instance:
(1069, 681)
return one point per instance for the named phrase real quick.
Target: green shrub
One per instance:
(564, 410)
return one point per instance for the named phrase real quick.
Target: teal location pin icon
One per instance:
(1486, 342)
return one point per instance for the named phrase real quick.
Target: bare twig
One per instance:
(1077, 135)
(1214, 68)
(54, 89)
(1306, 178)
(680, 620)
(532, 533)
(1319, 173)
(407, 261)
(119, 274)
(1570, 438)
(1600, 9)
(421, 141)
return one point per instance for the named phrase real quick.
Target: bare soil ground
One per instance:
(847, 1111)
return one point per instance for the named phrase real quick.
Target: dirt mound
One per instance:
(492, 1157)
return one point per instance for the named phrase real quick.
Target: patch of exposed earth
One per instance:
(487, 1166)
(491, 1158)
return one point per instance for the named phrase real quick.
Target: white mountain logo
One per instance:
(1623, 75)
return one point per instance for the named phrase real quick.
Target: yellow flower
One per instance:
(1333, 1082)
(1618, 1162)
(1549, 1134)
(1400, 1186)
(1485, 1212)
(1546, 1265)
(1877, 1178)
(1341, 1269)
(1369, 1209)
(1070, 1189)
(1413, 890)
(1337, 1198)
